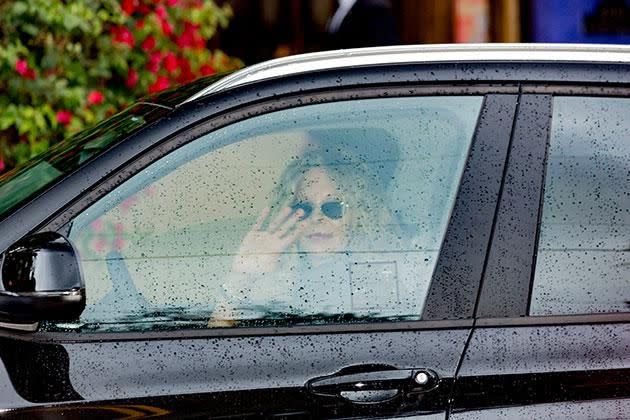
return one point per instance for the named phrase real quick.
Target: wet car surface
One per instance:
(430, 232)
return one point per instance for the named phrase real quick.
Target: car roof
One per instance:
(407, 54)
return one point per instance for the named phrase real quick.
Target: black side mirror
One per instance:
(40, 280)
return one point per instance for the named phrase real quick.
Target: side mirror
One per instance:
(40, 280)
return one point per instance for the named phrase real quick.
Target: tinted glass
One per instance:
(325, 213)
(583, 260)
(25, 181)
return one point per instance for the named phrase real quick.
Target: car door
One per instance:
(553, 333)
(173, 325)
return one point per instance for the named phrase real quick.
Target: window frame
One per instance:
(233, 115)
(498, 305)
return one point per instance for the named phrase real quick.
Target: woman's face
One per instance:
(327, 227)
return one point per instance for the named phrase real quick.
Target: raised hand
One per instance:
(261, 249)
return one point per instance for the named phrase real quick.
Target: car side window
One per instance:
(583, 259)
(327, 213)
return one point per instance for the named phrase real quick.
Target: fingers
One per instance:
(279, 219)
(289, 223)
(261, 219)
(293, 235)
(283, 229)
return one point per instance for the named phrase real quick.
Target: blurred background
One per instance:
(66, 65)
(263, 29)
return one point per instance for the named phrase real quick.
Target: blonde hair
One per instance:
(371, 221)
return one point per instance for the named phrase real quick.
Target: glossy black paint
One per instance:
(251, 404)
(43, 262)
(227, 372)
(41, 279)
(520, 367)
(507, 278)
(479, 392)
(38, 371)
(537, 367)
(459, 268)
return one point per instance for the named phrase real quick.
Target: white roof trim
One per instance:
(438, 53)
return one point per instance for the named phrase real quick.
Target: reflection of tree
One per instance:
(108, 232)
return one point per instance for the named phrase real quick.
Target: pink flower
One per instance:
(129, 6)
(170, 62)
(119, 228)
(150, 191)
(148, 44)
(143, 9)
(125, 206)
(153, 66)
(161, 12)
(184, 41)
(171, 3)
(185, 73)
(2, 165)
(166, 27)
(132, 78)
(119, 243)
(21, 66)
(207, 70)
(123, 35)
(99, 245)
(190, 37)
(160, 84)
(95, 97)
(64, 117)
(140, 24)
(155, 58)
(97, 225)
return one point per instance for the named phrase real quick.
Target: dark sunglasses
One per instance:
(331, 209)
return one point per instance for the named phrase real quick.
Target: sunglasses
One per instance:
(331, 209)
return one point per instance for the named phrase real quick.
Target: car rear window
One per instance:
(583, 259)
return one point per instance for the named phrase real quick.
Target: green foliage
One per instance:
(65, 65)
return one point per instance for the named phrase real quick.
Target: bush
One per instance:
(65, 65)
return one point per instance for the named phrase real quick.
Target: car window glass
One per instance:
(583, 260)
(324, 213)
(31, 177)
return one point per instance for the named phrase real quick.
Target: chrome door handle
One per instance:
(373, 383)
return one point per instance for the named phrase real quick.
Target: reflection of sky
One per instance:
(8, 395)
(587, 177)
(580, 123)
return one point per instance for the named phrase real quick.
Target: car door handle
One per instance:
(363, 384)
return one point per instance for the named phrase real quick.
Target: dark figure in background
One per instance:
(362, 23)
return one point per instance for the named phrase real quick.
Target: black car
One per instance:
(427, 231)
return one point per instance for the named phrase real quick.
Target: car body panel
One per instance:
(224, 369)
(572, 366)
(495, 362)
(277, 360)
(577, 368)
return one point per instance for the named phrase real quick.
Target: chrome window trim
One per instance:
(410, 54)
(62, 337)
